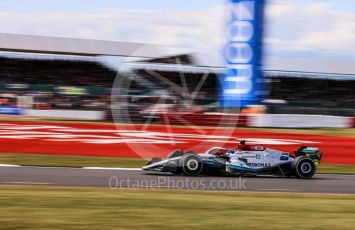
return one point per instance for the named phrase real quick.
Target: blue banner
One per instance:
(242, 83)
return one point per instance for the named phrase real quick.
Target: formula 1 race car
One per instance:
(246, 160)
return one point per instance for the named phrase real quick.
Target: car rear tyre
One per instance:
(303, 167)
(191, 165)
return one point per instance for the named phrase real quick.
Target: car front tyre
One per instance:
(191, 165)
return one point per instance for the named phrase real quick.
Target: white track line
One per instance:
(54, 167)
(121, 169)
(8, 165)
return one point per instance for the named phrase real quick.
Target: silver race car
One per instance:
(245, 160)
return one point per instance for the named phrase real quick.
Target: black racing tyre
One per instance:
(303, 167)
(191, 165)
(175, 153)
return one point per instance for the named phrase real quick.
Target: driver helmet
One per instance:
(241, 143)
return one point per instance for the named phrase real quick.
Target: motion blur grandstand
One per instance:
(73, 81)
(312, 93)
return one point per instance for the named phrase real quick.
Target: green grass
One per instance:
(70, 160)
(336, 168)
(90, 161)
(38, 207)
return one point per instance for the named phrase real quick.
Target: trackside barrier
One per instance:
(66, 114)
(300, 121)
(203, 119)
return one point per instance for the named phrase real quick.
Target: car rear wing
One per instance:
(311, 152)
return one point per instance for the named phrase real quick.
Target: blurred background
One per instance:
(75, 75)
(168, 58)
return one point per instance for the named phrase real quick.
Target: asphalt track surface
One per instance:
(135, 178)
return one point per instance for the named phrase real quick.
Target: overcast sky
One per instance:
(302, 29)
